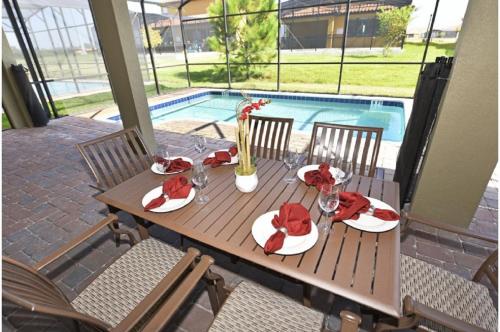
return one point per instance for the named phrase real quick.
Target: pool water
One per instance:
(304, 112)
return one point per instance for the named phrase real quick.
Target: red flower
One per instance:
(247, 109)
(261, 102)
(243, 116)
(256, 106)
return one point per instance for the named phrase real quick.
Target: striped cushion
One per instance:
(448, 293)
(125, 283)
(251, 307)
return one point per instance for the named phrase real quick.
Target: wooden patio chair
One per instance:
(347, 147)
(122, 298)
(270, 136)
(251, 307)
(116, 157)
(434, 299)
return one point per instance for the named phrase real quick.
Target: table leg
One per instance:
(114, 225)
(141, 228)
(307, 294)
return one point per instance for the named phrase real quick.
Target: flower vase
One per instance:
(246, 183)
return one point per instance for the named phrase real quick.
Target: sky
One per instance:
(449, 16)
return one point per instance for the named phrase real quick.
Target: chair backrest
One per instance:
(116, 157)
(490, 269)
(270, 136)
(32, 291)
(347, 147)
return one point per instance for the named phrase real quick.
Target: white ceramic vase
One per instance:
(247, 183)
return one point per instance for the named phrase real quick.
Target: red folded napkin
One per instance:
(219, 158)
(295, 218)
(352, 204)
(233, 150)
(319, 177)
(174, 188)
(178, 165)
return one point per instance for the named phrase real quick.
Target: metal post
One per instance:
(143, 10)
(278, 47)
(69, 40)
(37, 47)
(100, 50)
(145, 59)
(184, 47)
(224, 11)
(91, 39)
(346, 27)
(27, 55)
(64, 49)
(429, 34)
(44, 20)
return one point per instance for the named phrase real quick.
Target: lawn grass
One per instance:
(372, 79)
(393, 80)
(96, 101)
(5, 122)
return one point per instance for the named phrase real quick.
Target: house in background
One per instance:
(321, 26)
(442, 35)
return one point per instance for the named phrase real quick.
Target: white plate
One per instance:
(262, 229)
(171, 204)
(155, 170)
(234, 159)
(369, 223)
(337, 173)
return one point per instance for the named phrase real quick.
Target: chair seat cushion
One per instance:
(251, 307)
(448, 293)
(125, 283)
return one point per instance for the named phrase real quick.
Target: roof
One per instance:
(337, 9)
(305, 3)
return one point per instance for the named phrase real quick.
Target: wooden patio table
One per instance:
(360, 266)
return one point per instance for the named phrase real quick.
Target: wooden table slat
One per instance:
(358, 265)
(249, 201)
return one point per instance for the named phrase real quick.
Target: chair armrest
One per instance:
(411, 307)
(164, 287)
(450, 228)
(75, 242)
(170, 307)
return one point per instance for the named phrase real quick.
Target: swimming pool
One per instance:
(219, 106)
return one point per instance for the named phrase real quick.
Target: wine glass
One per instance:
(200, 143)
(161, 159)
(200, 179)
(347, 176)
(328, 201)
(291, 160)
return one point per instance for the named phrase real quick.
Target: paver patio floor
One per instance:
(47, 201)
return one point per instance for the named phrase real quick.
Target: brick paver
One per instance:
(47, 201)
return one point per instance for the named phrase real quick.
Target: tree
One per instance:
(154, 37)
(251, 38)
(392, 25)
